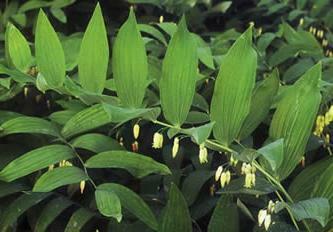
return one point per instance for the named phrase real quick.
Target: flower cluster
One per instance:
(250, 175)
(321, 122)
(264, 215)
(223, 176)
(157, 140)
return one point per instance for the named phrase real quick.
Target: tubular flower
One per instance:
(203, 154)
(233, 161)
(223, 179)
(228, 174)
(268, 220)
(175, 147)
(136, 131)
(218, 173)
(157, 140)
(261, 216)
(320, 124)
(82, 186)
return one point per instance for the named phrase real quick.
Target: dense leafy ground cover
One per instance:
(166, 115)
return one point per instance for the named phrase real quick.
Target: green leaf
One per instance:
(94, 54)
(193, 183)
(130, 64)
(138, 165)
(99, 115)
(50, 56)
(10, 188)
(176, 215)
(78, 219)
(8, 115)
(273, 153)
(133, 203)
(108, 203)
(151, 30)
(261, 101)
(62, 117)
(71, 45)
(179, 71)
(51, 211)
(294, 118)
(315, 208)
(58, 177)
(200, 134)
(96, 143)
(233, 89)
(18, 207)
(17, 49)
(35, 160)
(25, 124)
(225, 216)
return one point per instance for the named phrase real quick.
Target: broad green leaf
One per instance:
(50, 56)
(133, 203)
(17, 49)
(225, 216)
(261, 101)
(94, 54)
(8, 115)
(176, 216)
(294, 117)
(35, 160)
(196, 117)
(58, 177)
(62, 117)
(193, 183)
(78, 219)
(315, 208)
(96, 143)
(59, 14)
(51, 211)
(179, 71)
(138, 165)
(10, 188)
(25, 124)
(204, 53)
(151, 30)
(71, 45)
(273, 153)
(233, 89)
(130, 64)
(316, 174)
(108, 203)
(15, 209)
(201, 133)
(99, 115)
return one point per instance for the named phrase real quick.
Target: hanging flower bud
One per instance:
(121, 141)
(136, 131)
(268, 221)
(228, 174)
(248, 180)
(82, 186)
(135, 146)
(161, 19)
(223, 179)
(253, 179)
(233, 161)
(67, 164)
(218, 173)
(261, 216)
(175, 147)
(25, 91)
(301, 21)
(203, 154)
(271, 206)
(51, 167)
(157, 140)
(243, 168)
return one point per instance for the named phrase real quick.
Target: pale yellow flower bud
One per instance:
(157, 140)
(228, 174)
(51, 167)
(136, 131)
(203, 154)
(243, 169)
(175, 147)
(248, 181)
(261, 216)
(82, 186)
(67, 164)
(253, 179)
(268, 220)
(161, 19)
(233, 161)
(301, 21)
(218, 173)
(223, 179)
